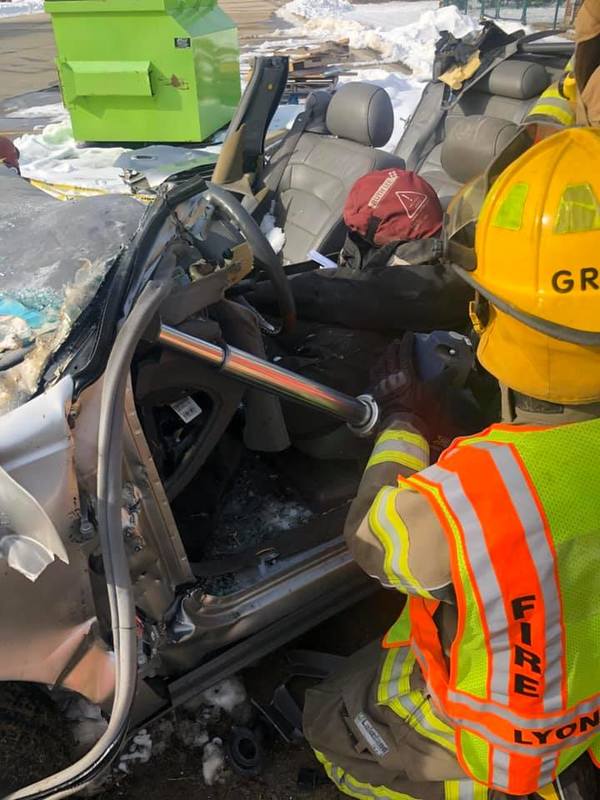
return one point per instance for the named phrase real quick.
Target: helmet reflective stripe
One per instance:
(578, 211)
(510, 213)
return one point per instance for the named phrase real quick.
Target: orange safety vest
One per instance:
(521, 510)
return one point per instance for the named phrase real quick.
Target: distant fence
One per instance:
(538, 13)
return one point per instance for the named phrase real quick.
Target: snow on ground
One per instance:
(227, 694)
(54, 156)
(398, 31)
(307, 9)
(53, 111)
(16, 7)
(213, 762)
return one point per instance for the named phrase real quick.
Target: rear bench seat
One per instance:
(482, 123)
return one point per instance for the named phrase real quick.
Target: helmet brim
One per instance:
(552, 329)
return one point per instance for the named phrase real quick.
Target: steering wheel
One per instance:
(233, 210)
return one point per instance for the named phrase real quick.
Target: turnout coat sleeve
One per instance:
(392, 531)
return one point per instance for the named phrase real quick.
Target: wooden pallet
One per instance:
(316, 59)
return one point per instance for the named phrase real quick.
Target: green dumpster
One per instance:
(146, 70)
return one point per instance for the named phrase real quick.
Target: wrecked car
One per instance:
(175, 463)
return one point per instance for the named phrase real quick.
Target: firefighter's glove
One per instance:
(399, 391)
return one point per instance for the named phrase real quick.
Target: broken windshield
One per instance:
(54, 257)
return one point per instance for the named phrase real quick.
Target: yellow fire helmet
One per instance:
(537, 262)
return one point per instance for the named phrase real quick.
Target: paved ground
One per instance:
(26, 55)
(27, 46)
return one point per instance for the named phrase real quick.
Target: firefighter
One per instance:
(575, 98)
(587, 64)
(488, 684)
(555, 107)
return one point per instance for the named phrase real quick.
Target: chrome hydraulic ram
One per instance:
(361, 413)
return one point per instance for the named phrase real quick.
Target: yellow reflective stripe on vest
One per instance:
(400, 447)
(464, 790)
(410, 705)
(389, 528)
(453, 790)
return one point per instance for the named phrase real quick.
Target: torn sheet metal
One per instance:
(157, 162)
(47, 626)
(28, 539)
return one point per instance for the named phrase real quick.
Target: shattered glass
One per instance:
(54, 256)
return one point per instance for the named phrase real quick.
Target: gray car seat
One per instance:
(323, 166)
(471, 143)
(480, 125)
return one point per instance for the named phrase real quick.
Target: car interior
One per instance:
(259, 486)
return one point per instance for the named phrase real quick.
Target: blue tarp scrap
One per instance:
(19, 323)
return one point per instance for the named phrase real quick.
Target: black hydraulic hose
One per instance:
(116, 568)
(261, 248)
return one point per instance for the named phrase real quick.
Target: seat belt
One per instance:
(289, 143)
(274, 176)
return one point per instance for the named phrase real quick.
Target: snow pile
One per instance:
(213, 762)
(138, 752)
(311, 9)
(54, 156)
(227, 694)
(54, 111)
(398, 31)
(16, 7)
(274, 234)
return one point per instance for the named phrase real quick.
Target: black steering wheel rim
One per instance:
(231, 208)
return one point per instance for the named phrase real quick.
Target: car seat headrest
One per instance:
(471, 143)
(362, 113)
(521, 80)
(316, 105)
